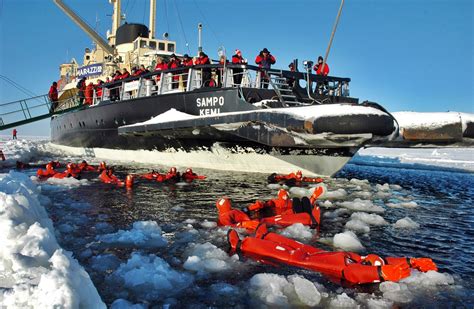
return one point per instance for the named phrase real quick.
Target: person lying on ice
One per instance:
(237, 218)
(293, 178)
(344, 266)
(189, 176)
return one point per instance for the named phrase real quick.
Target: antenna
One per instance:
(199, 38)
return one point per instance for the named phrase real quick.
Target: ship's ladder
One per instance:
(283, 89)
(17, 113)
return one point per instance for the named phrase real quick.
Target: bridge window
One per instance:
(171, 48)
(161, 46)
(152, 45)
(143, 43)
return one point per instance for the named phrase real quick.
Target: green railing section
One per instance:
(29, 110)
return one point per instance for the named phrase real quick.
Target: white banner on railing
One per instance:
(130, 86)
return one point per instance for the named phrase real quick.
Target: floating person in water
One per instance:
(49, 172)
(303, 213)
(342, 266)
(293, 178)
(107, 176)
(71, 171)
(189, 175)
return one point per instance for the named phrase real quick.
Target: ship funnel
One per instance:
(152, 19)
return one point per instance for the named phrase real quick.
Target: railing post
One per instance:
(23, 110)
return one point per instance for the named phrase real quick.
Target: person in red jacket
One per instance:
(53, 96)
(125, 74)
(344, 266)
(238, 72)
(89, 94)
(14, 132)
(264, 61)
(81, 86)
(187, 61)
(203, 59)
(98, 90)
(174, 64)
(233, 217)
(160, 66)
(318, 67)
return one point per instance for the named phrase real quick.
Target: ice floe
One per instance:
(207, 258)
(273, 290)
(347, 241)
(149, 277)
(298, 231)
(144, 234)
(36, 272)
(361, 205)
(406, 223)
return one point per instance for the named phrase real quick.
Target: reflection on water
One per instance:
(444, 211)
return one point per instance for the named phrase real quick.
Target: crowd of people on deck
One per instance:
(87, 90)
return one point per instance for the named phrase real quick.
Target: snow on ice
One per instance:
(347, 241)
(36, 272)
(144, 234)
(406, 223)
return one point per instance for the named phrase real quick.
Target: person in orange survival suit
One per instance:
(71, 171)
(233, 217)
(188, 175)
(153, 175)
(102, 167)
(49, 172)
(293, 178)
(291, 211)
(107, 176)
(84, 166)
(172, 175)
(345, 266)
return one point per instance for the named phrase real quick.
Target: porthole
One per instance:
(123, 121)
(116, 121)
(83, 124)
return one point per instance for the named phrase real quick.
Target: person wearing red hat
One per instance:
(318, 67)
(264, 61)
(238, 72)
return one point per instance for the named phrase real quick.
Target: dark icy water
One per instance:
(444, 210)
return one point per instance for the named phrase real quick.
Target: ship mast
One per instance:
(152, 19)
(116, 19)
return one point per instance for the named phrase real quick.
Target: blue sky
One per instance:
(404, 54)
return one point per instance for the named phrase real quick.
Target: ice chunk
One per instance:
(334, 195)
(144, 234)
(359, 181)
(406, 223)
(208, 224)
(149, 277)
(361, 205)
(385, 187)
(273, 186)
(67, 182)
(326, 204)
(430, 278)
(411, 204)
(207, 258)
(347, 241)
(105, 262)
(357, 225)
(125, 304)
(277, 291)
(371, 219)
(343, 301)
(298, 231)
(300, 192)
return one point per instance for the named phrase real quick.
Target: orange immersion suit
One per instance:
(49, 172)
(188, 175)
(107, 176)
(346, 266)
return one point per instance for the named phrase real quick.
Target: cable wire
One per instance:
(18, 86)
(181, 25)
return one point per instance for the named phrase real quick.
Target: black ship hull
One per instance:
(96, 127)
